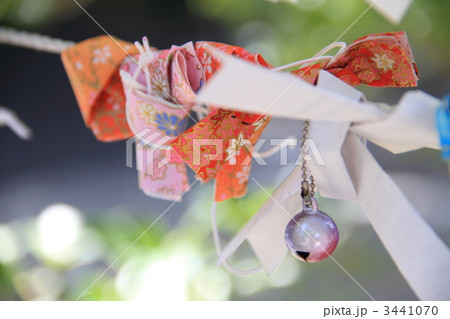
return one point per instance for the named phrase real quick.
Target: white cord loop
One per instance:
(230, 268)
(319, 56)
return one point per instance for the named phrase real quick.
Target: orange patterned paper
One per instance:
(93, 69)
(231, 180)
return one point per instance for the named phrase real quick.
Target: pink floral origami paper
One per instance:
(160, 89)
(230, 129)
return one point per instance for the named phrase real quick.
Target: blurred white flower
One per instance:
(59, 228)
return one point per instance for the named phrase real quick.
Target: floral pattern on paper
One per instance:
(234, 146)
(176, 76)
(171, 125)
(146, 112)
(163, 106)
(383, 62)
(243, 175)
(383, 59)
(101, 55)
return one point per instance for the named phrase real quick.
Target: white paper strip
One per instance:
(254, 89)
(420, 255)
(267, 238)
(258, 90)
(332, 178)
(288, 188)
(393, 10)
(418, 252)
(410, 126)
(350, 172)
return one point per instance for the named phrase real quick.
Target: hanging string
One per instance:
(230, 268)
(33, 41)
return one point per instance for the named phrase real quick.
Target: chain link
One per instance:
(307, 187)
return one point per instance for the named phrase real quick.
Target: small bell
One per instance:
(311, 235)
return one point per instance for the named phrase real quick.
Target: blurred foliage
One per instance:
(286, 29)
(179, 263)
(60, 254)
(38, 13)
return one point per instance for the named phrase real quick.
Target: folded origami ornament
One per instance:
(161, 108)
(351, 173)
(93, 69)
(376, 60)
(160, 89)
(208, 146)
(383, 59)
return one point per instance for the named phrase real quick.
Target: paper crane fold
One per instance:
(93, 69)
(383, 59)
(350, 173)
(377, 60)
(161, 89)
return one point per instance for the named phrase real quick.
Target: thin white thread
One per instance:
(342, 268)
(134, 242)
(216, 236)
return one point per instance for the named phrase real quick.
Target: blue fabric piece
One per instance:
(443, 126)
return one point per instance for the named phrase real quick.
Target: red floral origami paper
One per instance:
(93, 69)
(208, 146)
(382, 59)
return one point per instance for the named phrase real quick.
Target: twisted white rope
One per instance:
(33, 41)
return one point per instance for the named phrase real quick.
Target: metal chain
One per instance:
(307, 187)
